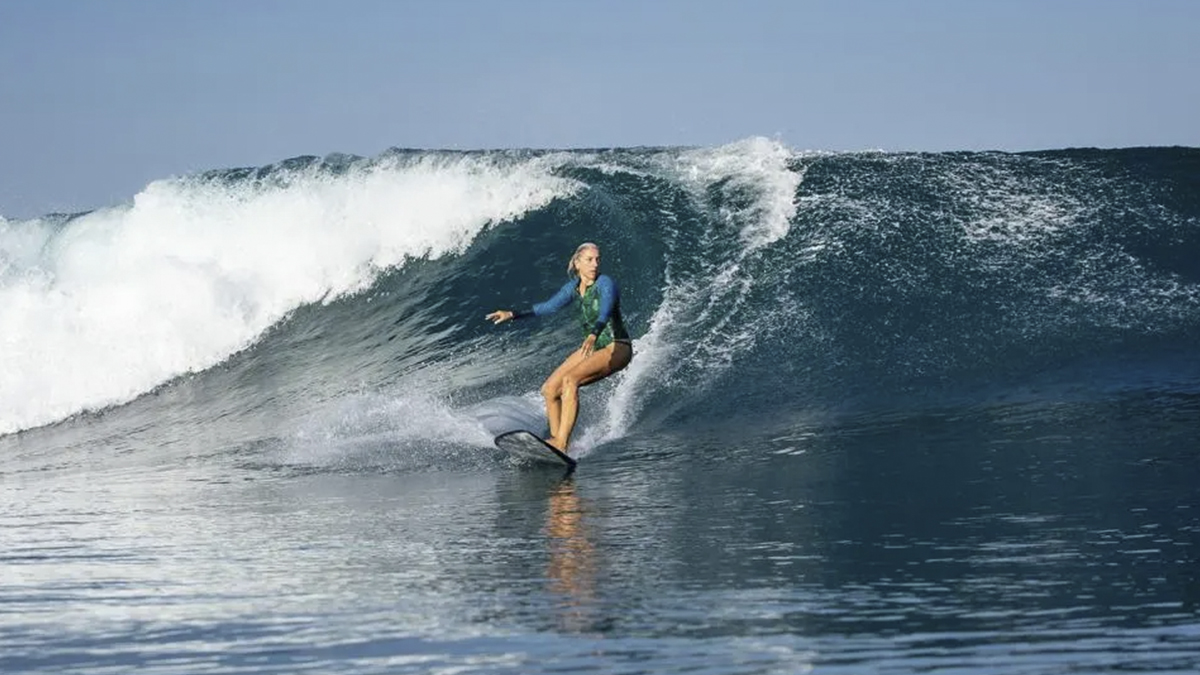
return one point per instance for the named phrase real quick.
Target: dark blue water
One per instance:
(887, 413)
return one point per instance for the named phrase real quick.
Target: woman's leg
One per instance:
(594, 368)
(552, 390)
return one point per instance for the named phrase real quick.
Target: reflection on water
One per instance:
(1000, 543)
(572, 565)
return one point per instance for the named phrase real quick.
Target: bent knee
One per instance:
(570, 385)
(552, 389)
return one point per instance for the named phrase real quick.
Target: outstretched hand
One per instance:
(589, 346)
(499, 316)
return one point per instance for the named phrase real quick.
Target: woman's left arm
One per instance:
(609, 293)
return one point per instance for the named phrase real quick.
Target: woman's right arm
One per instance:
(556, 302)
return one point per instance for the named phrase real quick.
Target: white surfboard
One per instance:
(524, 445)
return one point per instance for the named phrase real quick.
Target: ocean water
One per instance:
(888, 412)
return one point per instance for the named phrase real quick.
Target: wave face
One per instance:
(761, 284)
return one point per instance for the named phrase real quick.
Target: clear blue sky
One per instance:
(99, 98)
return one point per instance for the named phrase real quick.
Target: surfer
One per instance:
(606, 347)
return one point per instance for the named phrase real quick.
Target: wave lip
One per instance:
(110, 304)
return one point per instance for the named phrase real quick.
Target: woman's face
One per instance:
(587, 264)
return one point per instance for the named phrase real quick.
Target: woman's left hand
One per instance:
(589, 346)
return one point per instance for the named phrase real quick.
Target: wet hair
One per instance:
(574, 256)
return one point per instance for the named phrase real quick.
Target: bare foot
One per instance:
(557, 443)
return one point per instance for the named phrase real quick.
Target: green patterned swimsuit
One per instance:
(599, 309)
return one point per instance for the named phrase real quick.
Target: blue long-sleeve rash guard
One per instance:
(599, 307)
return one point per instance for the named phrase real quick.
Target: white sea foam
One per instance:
(106, 307)
(757, 165)
(376, 429)
(759, 169)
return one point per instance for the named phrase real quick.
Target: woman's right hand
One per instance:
(499, 316)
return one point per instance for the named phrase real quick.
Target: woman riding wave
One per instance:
(606, 347)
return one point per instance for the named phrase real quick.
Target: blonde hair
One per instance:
(575, 256)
